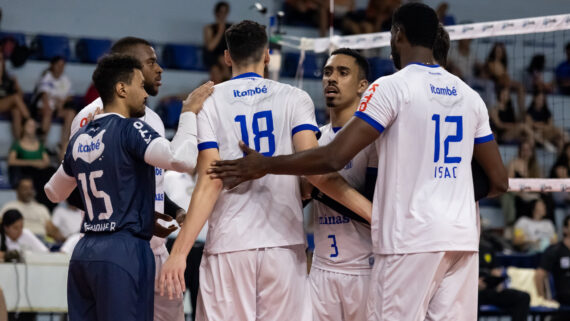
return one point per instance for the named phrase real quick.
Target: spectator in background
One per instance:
(503, 120)
(561, 169)
(444, 18)
(481, 82)
(67, 218)
(52, 95)
(534, 76)
(563, 73)
(496, 65)
(556, 261)
(492, 288)
(28, 157)
(539, 119)
(12, 98)
(302, 12)
(379, 15)
(462, 60)
(36, 216)
(536, 233)
(90, 95)
(14, 237)
(215, 44)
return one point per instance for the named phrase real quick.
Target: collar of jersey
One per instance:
(107, 114)
(247, 75)
(336, 129)
(419, 63)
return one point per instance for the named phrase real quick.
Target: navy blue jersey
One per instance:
(106, 157)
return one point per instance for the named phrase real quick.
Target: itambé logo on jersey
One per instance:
(250, 92)
(88, 148)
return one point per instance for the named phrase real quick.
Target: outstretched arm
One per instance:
(355, 135)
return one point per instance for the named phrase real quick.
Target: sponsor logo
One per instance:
(139, 126)
(250, 92)
(364, 102)
(88, 148)
(445, 91)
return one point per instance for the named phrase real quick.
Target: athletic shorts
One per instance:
(437, 286)
(111, 278)
(268, 284)
(164, 308)
(338, 296)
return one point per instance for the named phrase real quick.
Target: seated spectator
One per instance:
(481, 82)
(496, 64)
(215, 44)
(52, 95)
(536, 233)
(462, 60)
(539, 118)
(12, 99)
(561, 169)
(492, 289)
(67, 218)
(503, 120)
(302, 12)
(28, 157)
(14, 237)
(444, 18)
(556, 262)
(563, 73)
(36, 216)
(378, 15)
(534, 76)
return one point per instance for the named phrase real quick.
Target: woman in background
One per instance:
(14, 237)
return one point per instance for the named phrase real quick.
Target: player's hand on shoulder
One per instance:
(195, 100)
(237, 171)
(161, 230)
(180, 217)
(171, 280)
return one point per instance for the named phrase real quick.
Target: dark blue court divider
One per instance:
(46, 47)
(90, 50)
(182, 56)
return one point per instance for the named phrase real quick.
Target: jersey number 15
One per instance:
(96, 193)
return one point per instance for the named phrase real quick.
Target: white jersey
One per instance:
(265, 114)
(341, 244)
(430, 120)
(154, 121)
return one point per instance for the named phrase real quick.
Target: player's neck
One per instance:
(118, 108)
(255, 68)
(341, 115)
(418, 54)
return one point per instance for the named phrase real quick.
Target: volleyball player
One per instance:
(253, 266)
(427, 125)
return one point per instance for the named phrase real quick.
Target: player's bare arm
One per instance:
(488, 156)
(354, 136)
(203, 200)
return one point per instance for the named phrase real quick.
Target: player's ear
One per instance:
(227, 58)
(266, 57)
(362, 86)
(121, 89)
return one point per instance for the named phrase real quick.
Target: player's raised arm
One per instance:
(180, 154)
(203, 200)
(356, 135)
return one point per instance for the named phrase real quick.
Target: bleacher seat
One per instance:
(170, 112)
(90, 50)
(19, 37)
(380, 67)
(312, 65)
(46, 47)
(186, 57)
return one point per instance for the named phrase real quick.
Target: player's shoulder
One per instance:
(325, 130)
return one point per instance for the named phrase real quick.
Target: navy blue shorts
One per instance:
(111, 277)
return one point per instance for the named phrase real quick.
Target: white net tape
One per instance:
(465, 31)
(539, 185)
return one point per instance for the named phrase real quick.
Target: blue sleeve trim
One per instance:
(370, 121)
(207, 145)
(484, 139)
(304, 127)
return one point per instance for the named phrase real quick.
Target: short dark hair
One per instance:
(221, 4)
(55, 59)
(246, 41)
(123, 45)
(110, 70)
(363, 65)
(10, 217)
(441, 46)
(419, 22)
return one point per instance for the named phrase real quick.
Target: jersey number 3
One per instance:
(96, 193)
(258, 133)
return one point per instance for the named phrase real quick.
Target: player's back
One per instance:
(425, 200)
(265, 115)
(107, 159)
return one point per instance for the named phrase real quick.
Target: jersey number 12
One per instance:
(458, 120)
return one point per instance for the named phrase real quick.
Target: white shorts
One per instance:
(424, 286)
(338, 296)
(264, 284)
(164, 308)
